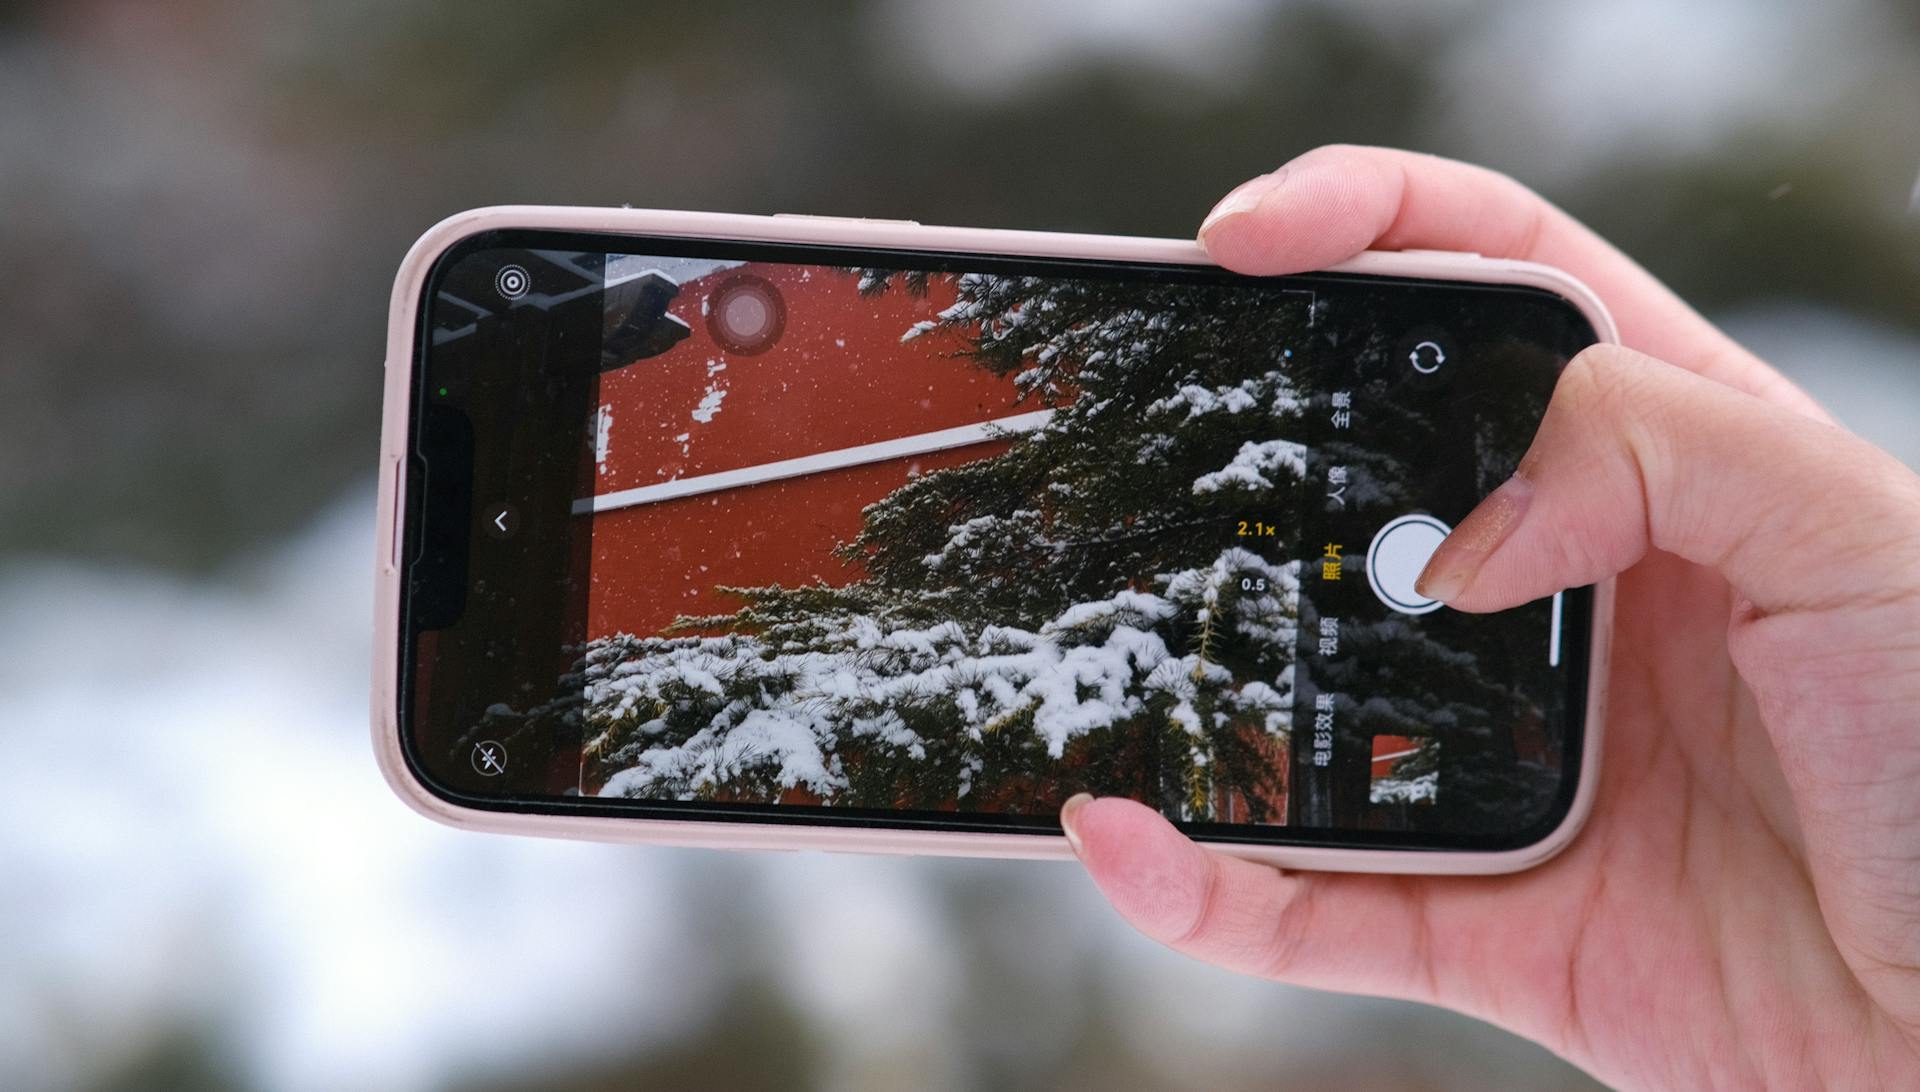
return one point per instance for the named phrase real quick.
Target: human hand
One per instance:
(1743, 907)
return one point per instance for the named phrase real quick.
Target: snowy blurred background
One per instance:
(203, 883)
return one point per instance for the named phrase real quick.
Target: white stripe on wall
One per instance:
(859, 455)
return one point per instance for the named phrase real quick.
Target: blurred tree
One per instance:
(757, 1041)
(175, 1057)
(206, 202)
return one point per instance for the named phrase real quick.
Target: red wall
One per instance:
(838, 376)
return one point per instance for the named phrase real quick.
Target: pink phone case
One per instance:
(787, 228)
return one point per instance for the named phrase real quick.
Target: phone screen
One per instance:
(780, 533)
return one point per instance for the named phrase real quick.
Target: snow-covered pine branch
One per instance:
(1073, 613)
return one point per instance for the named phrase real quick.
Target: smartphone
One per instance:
(807, 532)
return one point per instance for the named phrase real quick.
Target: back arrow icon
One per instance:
(504, 521)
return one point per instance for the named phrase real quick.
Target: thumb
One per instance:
(1353, 932)
(1636, 455)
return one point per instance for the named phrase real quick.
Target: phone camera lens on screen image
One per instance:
(746, 314)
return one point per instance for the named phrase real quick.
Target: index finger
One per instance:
(1335, 201)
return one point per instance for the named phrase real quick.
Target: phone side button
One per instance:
(397, 482)
(845, 219)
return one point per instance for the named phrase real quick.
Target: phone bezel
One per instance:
(562, 818)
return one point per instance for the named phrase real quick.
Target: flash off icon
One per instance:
(489, 758)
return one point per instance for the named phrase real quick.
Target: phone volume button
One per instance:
(396, 509)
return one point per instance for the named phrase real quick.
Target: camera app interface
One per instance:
(965, 537)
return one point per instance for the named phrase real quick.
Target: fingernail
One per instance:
(1458, 560)
(1067, 811)
(1241, 199)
